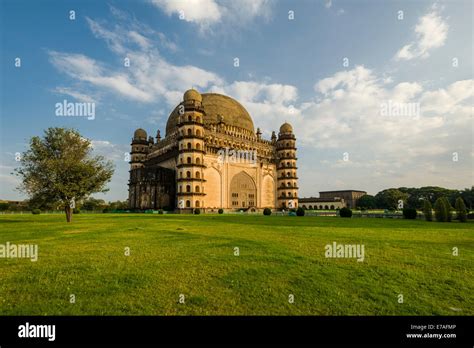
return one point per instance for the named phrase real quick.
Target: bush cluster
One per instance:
(345, 212)
(409, 213)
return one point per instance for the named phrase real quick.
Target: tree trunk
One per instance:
(68, 210)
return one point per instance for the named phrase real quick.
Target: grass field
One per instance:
(194, 256)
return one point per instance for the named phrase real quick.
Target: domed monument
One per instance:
(212, 158)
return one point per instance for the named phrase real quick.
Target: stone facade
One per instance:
(212, 158)
(313, 203)
(349, 196)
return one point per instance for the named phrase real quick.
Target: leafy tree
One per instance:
(93, 204)
(267, 211)
(461, 210)
(59, 168)
(119, 205)
(431, 193)
(300, 211)
(3, 206)
(468, 196)
(427, 210)
(366, 202)
(388, 199)
(441, 213)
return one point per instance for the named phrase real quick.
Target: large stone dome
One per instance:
(216, 107)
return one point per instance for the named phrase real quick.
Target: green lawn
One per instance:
(194, 256)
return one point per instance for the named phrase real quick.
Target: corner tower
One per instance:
(286, 168)
(139, 149)
(190, 167)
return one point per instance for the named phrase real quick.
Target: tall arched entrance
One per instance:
(243, 191)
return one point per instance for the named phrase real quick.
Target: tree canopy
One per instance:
(59, 168)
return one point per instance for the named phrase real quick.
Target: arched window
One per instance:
(188, 174)
(320, 207)
(190, 118)
(197, 204)
(198, 132)
(188, 188)
(283, 194)
(198, 146)
(189, 146)
(198, 119)
(180, 174)
(198, 160)
(189, 160)
(289, 194)
(326, 207)
(180, 188)
(190, 132)
(332, 207)
(288, 174)
(198, 175)
(188, 204)
(197, 189)
(288, 184)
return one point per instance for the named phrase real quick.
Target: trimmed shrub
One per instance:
(427, 210)
(267, 211)
(345, 212)
(300, 211)
(449, 209)
(36, 211)
(409, 213)
(221, 211)
(76, 211)
(197, 211)
(106, 210)
(441, 213)
(470, 216)
(461, 211)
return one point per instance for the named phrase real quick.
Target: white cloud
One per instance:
(431, 32)
(204, 12)
(109, 150)
(86, 69)
(207, 13)
(81, 97)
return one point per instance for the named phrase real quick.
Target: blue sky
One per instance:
(289, 70)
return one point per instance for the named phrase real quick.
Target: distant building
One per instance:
(313, 203)
(332, 200)
(349, 196)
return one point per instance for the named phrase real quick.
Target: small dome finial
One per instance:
(192, 94)
(286, 128)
